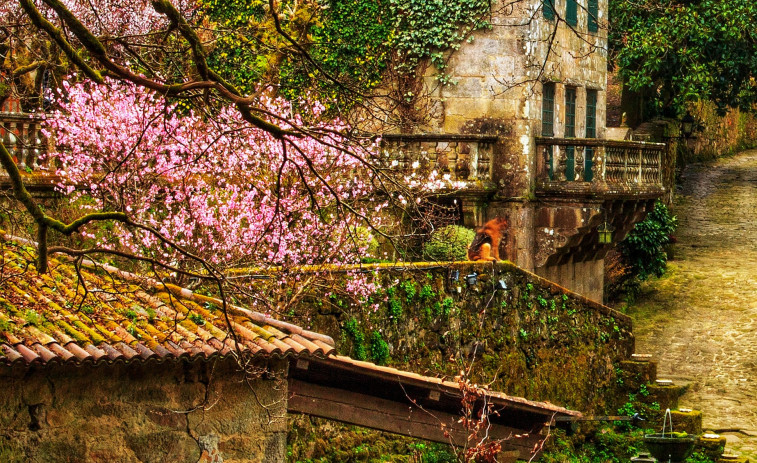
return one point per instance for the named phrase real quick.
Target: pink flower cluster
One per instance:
(230, 192)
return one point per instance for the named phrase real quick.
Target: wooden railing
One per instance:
(22, 135)
(614, 162)
(459, 157)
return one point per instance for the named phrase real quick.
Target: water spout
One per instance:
(668, 419)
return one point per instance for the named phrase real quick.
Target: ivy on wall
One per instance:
(354, 41)
(427, 28)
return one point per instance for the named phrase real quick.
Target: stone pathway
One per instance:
(700, 320)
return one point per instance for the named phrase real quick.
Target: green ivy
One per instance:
(427, 28)
(354, 41)
(409, 288)
(395, 309)
(353, 332)
(379, 348)
(427, 292)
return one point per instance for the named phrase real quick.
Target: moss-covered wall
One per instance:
(721, 135)
(531, 339)
(172, 411)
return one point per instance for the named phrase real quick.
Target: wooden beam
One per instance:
(399, 418)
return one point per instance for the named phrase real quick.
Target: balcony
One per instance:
(463, 162)
(21, 133)
(599, 168)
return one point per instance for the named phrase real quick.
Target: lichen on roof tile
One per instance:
(103, 317)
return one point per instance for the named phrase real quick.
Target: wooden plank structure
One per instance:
(395, 401)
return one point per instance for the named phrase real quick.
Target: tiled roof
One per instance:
(107, 316)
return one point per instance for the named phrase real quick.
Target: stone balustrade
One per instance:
(457, 157)
(609, 162)
(22, 136)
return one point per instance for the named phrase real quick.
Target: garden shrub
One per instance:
(449, 243)
(643, 253)
(644, 247)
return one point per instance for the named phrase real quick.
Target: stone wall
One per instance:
(532, 339)
(173, 411)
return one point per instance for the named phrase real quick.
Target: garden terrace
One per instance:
(597, 167)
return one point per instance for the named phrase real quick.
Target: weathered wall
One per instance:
(721, 135)
(497, 78)
(174, 411)
(530, 340)
(584, 277)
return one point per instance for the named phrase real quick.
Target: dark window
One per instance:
(570, 132)
(570, 112)
(548, 120)
(548, 110)
(548, 9)
(591, 113)
(571, 12)
(593, 12)
(591, 132)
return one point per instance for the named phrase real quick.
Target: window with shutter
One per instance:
(593, 11)
(571, 12)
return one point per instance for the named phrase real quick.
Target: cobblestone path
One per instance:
(700, 321)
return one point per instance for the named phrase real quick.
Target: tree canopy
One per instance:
(687, 51)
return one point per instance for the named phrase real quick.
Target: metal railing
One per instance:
(21, 133)
(614, 162)
(459, 157)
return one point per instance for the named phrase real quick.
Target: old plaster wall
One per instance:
(172, 411)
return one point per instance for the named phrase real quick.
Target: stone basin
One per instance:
(665, 447)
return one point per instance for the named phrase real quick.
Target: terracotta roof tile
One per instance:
(123, 317)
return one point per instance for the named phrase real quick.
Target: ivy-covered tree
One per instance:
(687, 51)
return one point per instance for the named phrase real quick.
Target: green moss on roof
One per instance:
(55, 308)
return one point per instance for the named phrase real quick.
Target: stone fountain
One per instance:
(670, 447)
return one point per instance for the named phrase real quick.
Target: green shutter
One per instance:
(548, 9)
(570, 132)
(548, 110)
(570, 112)
(593, 12)
(591, 113)
(571, 12)
(591, 132)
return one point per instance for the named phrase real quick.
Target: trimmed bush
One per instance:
(449, 243)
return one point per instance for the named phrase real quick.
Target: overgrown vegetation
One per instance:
(677, 52)
(449, 243)
(642, 254)
(351, 45)
(644, 247)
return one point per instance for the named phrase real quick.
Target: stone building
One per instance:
(521, 133)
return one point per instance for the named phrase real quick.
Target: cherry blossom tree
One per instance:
(178, 169)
